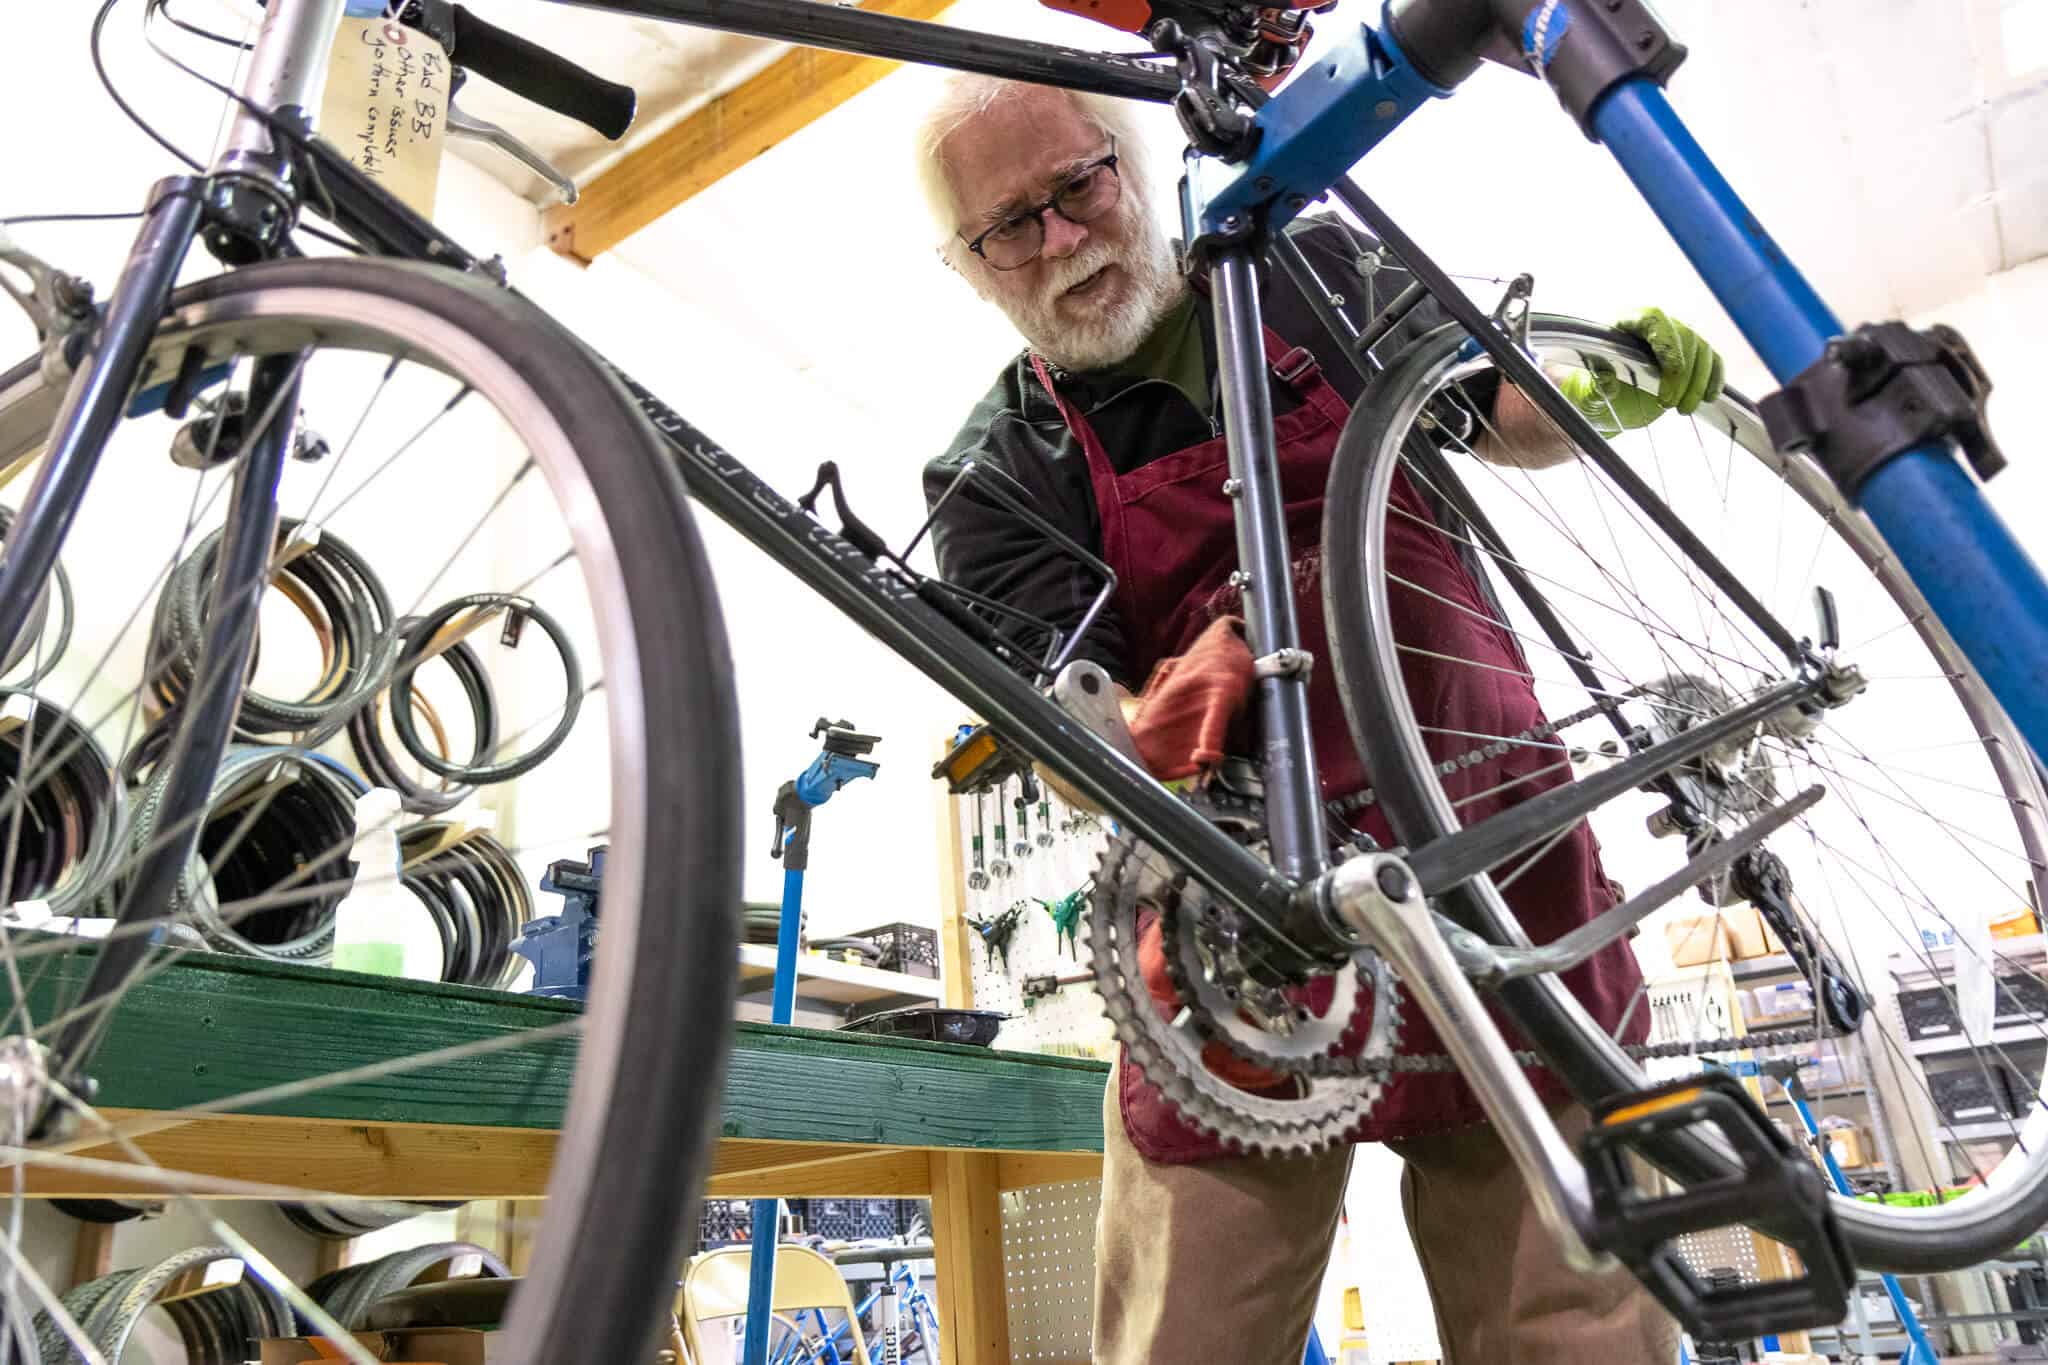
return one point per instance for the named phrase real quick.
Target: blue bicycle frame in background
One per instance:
(834, 1343)
(1607, 63)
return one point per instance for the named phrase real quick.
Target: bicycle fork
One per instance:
(108, 370)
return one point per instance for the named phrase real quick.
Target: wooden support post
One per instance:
(333, 1253)
(956, 964)
(92, 1252)
(967, 1240)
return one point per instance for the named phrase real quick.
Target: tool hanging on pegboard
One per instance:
(1023, 891)
(997, 930)
(1066, 916)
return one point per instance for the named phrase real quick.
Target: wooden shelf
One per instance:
(823, 978)
(847, 1112)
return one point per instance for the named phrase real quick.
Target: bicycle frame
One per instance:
(1312, 915)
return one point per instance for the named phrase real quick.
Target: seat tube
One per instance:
(1265, 570)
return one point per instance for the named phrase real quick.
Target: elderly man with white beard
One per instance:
(1107, 422)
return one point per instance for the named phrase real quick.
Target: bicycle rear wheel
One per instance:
(1932, 810)
(434, 396)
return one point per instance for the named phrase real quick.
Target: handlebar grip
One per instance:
(540, 75)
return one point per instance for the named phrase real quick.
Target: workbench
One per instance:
(804, 1113)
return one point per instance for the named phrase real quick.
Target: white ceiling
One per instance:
(1898, 149)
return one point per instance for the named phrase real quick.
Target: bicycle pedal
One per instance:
(1778, 1188)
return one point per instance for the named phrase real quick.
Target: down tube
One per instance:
(1986, 592)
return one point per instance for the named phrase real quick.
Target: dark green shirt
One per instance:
(1175, 352)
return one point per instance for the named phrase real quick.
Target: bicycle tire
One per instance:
(604, 1262)
(1906, 1241)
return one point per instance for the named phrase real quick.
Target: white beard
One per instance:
(1154, 287)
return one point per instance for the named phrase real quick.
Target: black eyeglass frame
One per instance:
(1050, 204)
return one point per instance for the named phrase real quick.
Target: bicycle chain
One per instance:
(1358, 801)
(1371, 1067)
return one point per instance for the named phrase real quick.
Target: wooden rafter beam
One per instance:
(712, 142)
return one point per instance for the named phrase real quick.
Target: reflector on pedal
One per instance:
(1777, 1191)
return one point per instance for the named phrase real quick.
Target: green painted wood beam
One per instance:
(209, 1027)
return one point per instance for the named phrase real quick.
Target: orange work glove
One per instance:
(1183, 717)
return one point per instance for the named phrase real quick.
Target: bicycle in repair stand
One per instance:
(1863, 437)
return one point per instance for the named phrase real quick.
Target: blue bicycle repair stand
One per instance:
(561, 947)
(839, 763)
(1919, 1350)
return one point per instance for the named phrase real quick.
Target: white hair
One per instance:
(965, 96)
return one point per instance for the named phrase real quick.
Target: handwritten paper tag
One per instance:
(386, 106)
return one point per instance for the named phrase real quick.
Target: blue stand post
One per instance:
(1919, 1350)
(838, 765)
(1929, 510)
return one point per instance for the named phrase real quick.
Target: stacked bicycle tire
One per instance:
(221, 1325)
(282, 813)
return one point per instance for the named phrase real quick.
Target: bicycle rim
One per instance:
(603, 539)
(1931, 806)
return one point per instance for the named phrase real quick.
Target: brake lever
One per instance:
(482, 130)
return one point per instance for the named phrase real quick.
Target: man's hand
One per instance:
(1689, 373)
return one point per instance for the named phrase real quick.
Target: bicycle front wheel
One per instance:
(1932, 811)
(428, 400)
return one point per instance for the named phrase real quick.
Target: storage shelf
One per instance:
(1973, 1132)
(823, 978)
(1912, 967)
(2012, 1033)
(1821, 1099)
(1750, 968)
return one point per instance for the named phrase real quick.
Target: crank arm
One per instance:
(1374, 900)
(1490, 965)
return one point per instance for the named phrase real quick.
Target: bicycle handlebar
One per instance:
(526, 68)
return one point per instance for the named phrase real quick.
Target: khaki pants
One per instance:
(1223, 1260)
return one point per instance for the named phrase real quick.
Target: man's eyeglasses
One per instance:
(1082, 197)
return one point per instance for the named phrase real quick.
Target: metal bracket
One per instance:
(1312, 132)
(1511, 314)
(1085, 691)
(60, 305)
(1879, 392)
(1284, 663)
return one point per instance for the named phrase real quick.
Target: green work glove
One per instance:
(1689, 373)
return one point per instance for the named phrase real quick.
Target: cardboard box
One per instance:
(412, 1346)
(1696, 940)
(2021, 923)
(1850, 1148)
(1748, 935)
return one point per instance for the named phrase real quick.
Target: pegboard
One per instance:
(1049, 1269)
(1070, 1020)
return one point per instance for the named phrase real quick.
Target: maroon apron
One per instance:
(1168, 531)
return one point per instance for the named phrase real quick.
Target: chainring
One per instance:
(1325, 1108)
